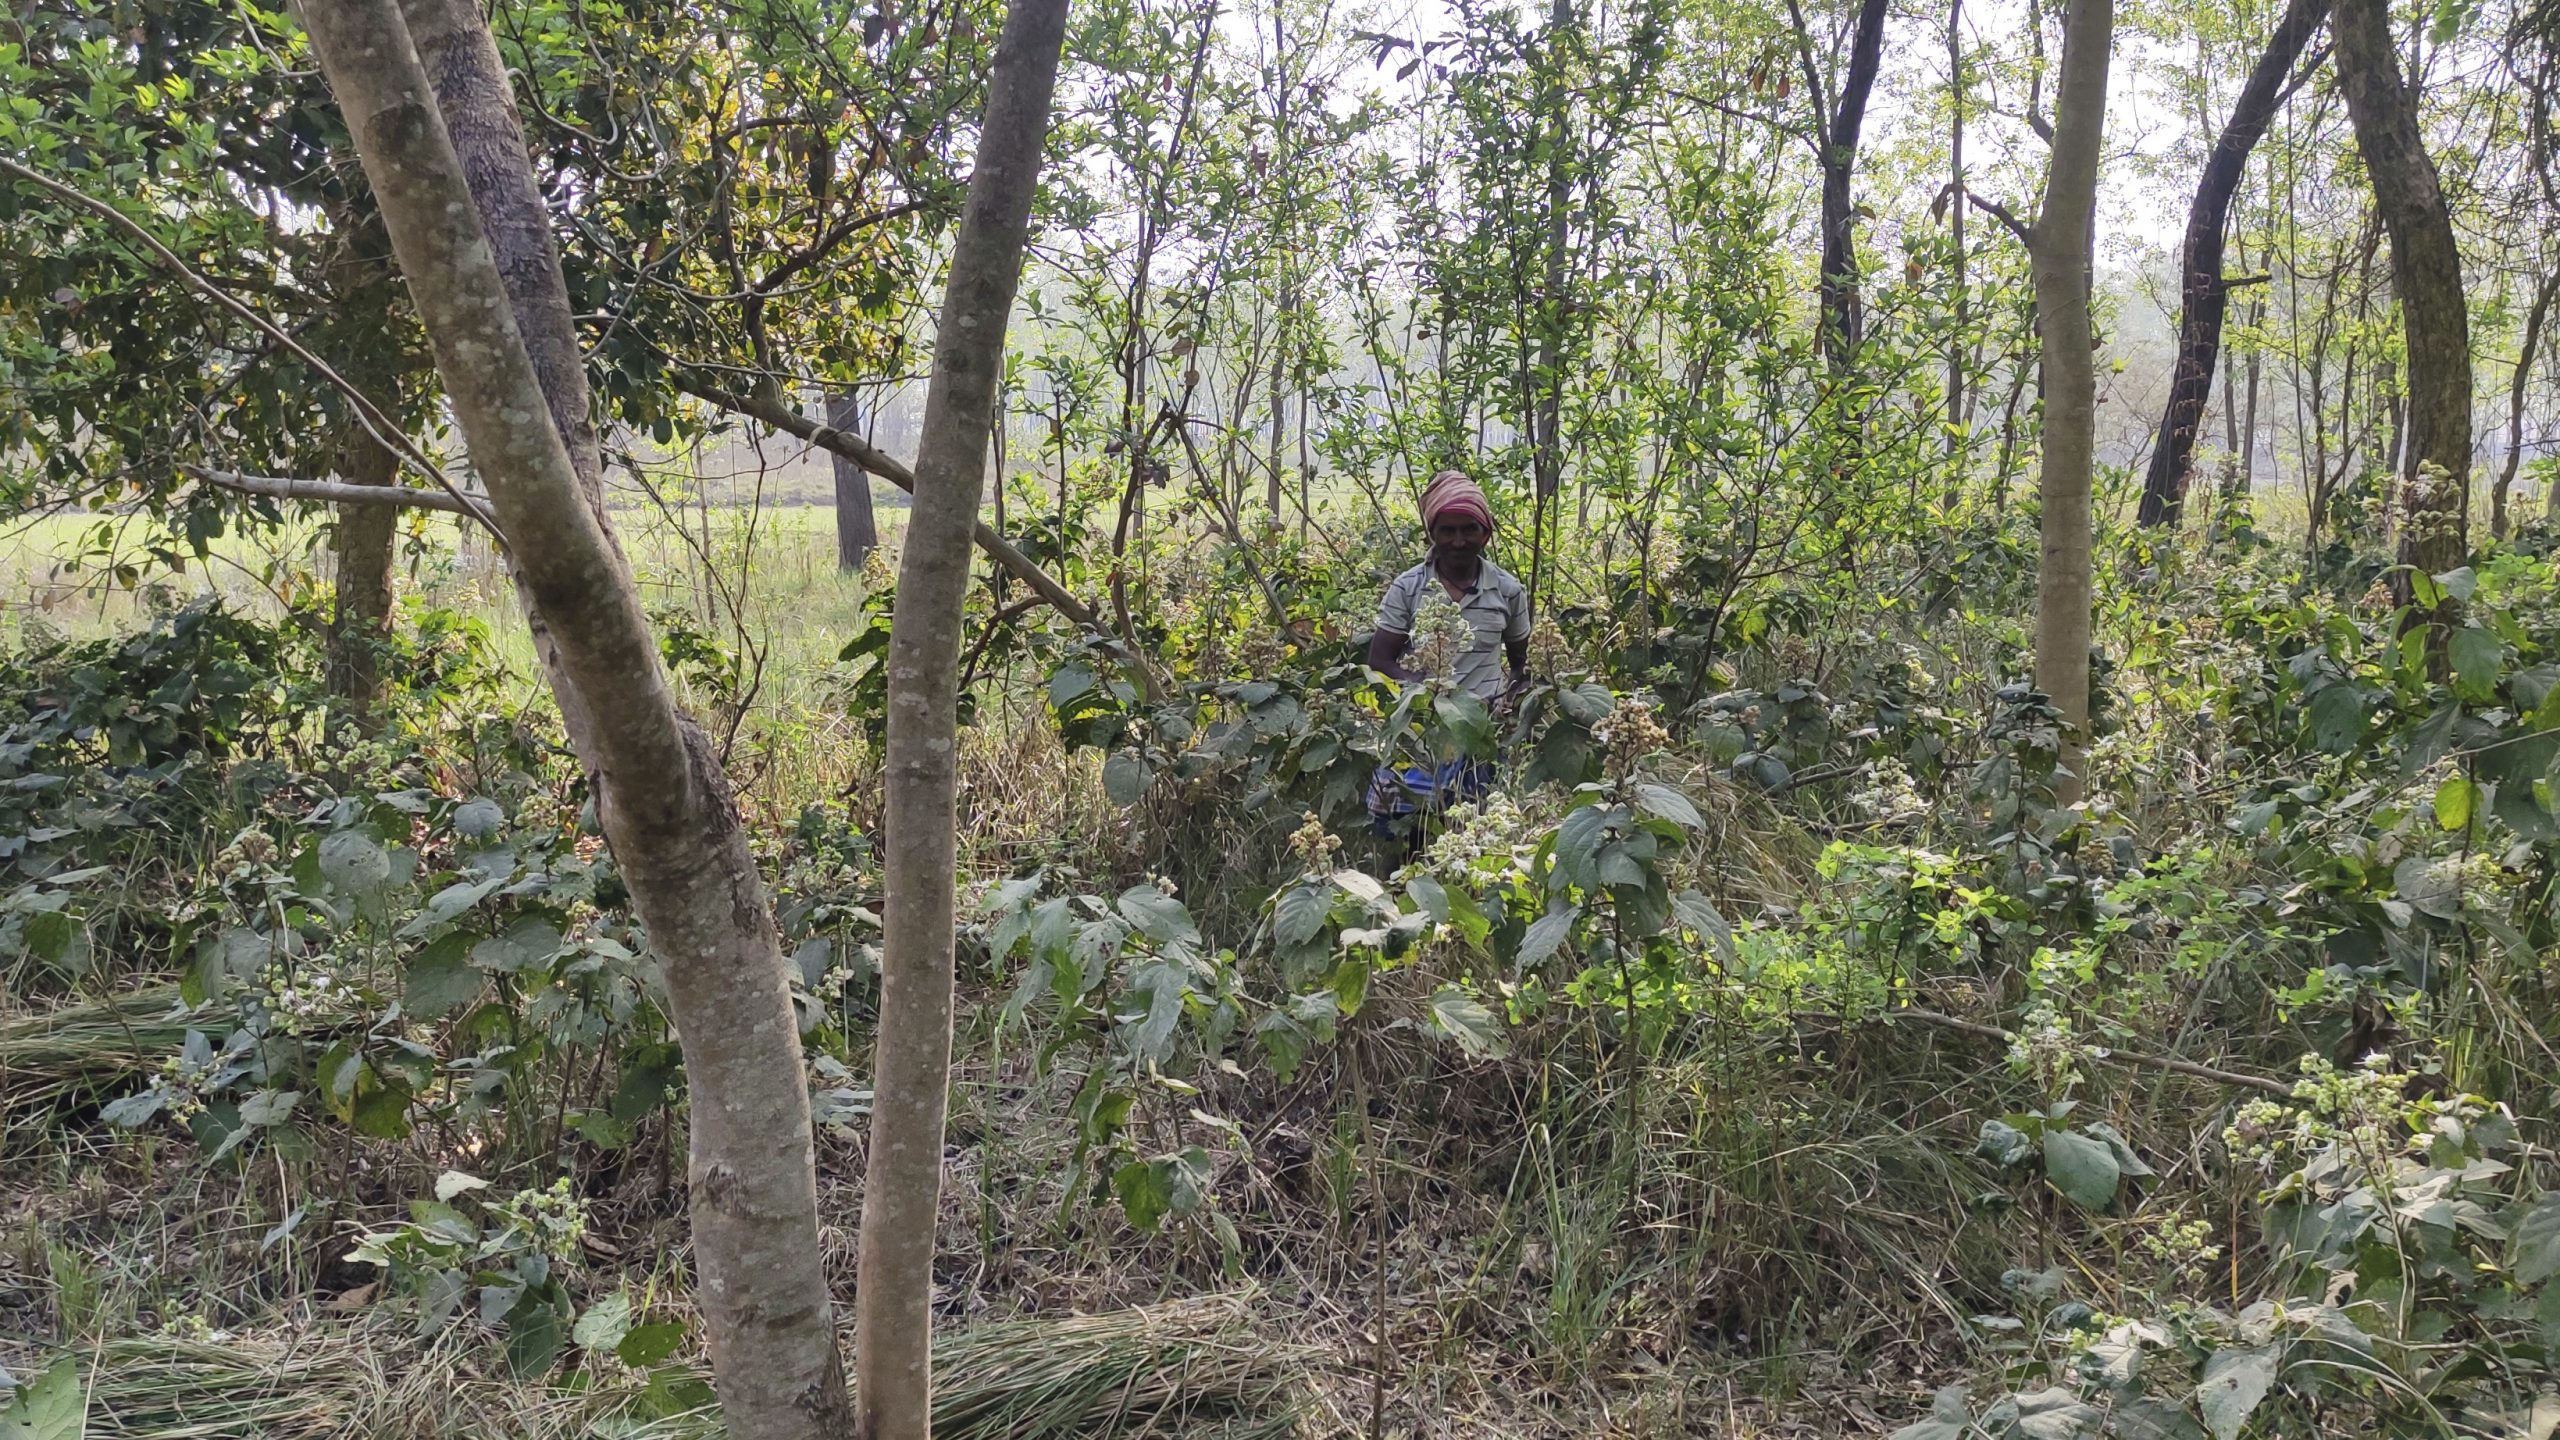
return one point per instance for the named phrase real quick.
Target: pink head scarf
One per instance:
(1452, 493)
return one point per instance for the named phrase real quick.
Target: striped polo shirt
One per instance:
(1497, 606)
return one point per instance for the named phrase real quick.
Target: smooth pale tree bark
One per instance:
(2535, 317)
(911, 1071)
(2061, 259)
(857, 523)
(664, 804)
(2204, 291)
(2426, 276)
(1843, 322)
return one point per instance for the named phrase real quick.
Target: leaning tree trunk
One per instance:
(664, 804)
(857, 523)
(2061, 263)
(1842, 318)
(2516, 387)
(2205, 291)
(2426, 276)
(893, 1325)
(469, 85)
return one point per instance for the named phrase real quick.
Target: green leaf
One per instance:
(2433, 887)
(1669, 804)
(1125, 777)
(2477, 656)
(382, 1113)
(353, 862)
(1546, 935)
(2003, 1144)
(478, 819)
(2448, 23)
(1949, 1418)
(2080, 1167)
(1461, 1017)
(534, 1338)
(2456, 801)
(269, 1107)
(1699, 914)
(527, 943)
(1145, 1192)
(52, 1408)
(439, 979)
(2534, 1254)
(2337, 716)
(1158, 916)
(2056, 1414)
(646, 1345)
(2235, 1380)
(606, 1324)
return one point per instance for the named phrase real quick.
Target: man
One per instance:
(1464, 609)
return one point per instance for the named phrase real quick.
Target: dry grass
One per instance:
(1192, 1367)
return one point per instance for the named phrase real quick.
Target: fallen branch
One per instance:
(2134, 1058)
(338, 492)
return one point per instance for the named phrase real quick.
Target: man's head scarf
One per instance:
(1451, 493)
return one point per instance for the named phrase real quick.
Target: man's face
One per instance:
(1458, 537)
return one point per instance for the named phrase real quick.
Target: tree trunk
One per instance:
(361, 535)
(361, 540)
(2426, 275)
(2532, 341)
(469, 87)
(857, 524)
(911, 1072)
(663, 802)
(2204, 292)
(1842, 321)
(2061, 264)
(1958, 440)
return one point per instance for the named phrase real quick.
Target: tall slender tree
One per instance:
(2434, 473)
(2061, 264)
(911, 1070)
(2204, 290)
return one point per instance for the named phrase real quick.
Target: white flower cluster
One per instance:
(296, 1005)
(184, 1084)
(1442, 636)
(2045, 1048)
(1484, 838)
(553, 1217)
(1888, 791)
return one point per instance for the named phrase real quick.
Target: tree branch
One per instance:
(385, 432)
(2001, 213)
(888, 467)
(335, 492)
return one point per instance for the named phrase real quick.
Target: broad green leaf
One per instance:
(1462, 1018)
(354, 862)
(440, 979)
(2433, 887)
(478, 819)
(1669, 804)
(2003, 1144)
(53, 1407)
(133, 1111)
(2337, 716)
(2235, 1380)
(2081, 1168)
(1158, 916)
(1124, 778)
(1950, 1417)
(455, 1182)
(527, 943)
(1699, 914)
(1145, 1191)
(2534, 1254)
(2477, 656)
(646, 1345)
(1298, 915)
(2456, 800)
(269, 1107)
(606, 1324)
(1546, 935)
(2057, 1414)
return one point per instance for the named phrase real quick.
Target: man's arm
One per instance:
(1386, 650)
(1515, 653)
